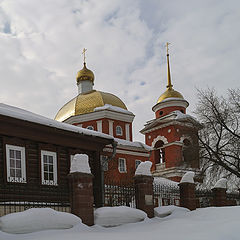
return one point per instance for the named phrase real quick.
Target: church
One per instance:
(171, 138)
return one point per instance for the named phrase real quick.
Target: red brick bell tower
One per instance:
(172, 135)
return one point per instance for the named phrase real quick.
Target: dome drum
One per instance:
(170, 103)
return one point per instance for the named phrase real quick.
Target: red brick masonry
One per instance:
(81, 196)
(187, 195)
(144, 194)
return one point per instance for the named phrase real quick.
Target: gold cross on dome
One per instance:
(84, 55)
(167, 44)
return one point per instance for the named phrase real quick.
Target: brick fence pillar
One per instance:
(219, 197)
(220, 193)
(187, 195)
(144, 194)
(81, 196)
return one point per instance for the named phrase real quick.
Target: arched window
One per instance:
(119, 131)
(90, 127)
(159, 152)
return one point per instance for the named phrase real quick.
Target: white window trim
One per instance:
(54, 155)
(127, 129)
(124, 160)
(23, 164)
(99, 126)
(119, 133)
(137, 160)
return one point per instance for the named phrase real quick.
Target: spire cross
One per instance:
(167, 44)
(169, 86)
(84, 55)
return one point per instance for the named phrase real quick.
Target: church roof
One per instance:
(86, 103)
(175, 116)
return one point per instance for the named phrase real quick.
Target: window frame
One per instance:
(23, 178)
(118, 127)
(119, 165)
(53, 182)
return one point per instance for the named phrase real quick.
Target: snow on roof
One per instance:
(113, 108)
(180, 115)
(19, 113)
(132, 144)
(164, 181)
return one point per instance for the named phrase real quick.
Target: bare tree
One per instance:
(220, 138)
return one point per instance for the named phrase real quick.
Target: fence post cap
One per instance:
(144, 168)
(188, 177)
(221, 183)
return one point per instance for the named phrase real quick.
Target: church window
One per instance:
(16, 164)
(49, 167)
(122, 165)
(160, 151)
(119, 131)
(90, 127)
(161, 155)
(137, 162)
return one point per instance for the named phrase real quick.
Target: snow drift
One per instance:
(37, 219)
(172, 210)
(115, 216)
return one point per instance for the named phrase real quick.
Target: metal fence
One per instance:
(119, 194)
(17, 197)
(166, 194)
(233, 198)
(204, 197)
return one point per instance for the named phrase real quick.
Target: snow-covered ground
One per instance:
(202, 224)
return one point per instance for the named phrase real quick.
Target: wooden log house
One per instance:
(35, 155)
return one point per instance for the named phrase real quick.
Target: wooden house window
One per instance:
(119, 131)
(16, 164)
(49, 167)
(122, 165)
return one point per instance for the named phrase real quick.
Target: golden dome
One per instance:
(85, 103)
(85, 74)
(170, 93)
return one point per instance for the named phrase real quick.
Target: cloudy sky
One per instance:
(41, 44)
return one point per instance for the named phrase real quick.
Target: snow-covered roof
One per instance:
(173, 116)
(112, 108)
(164, 181)
(19, 113)
(132, 144)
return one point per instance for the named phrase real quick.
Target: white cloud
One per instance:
(41, 42)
